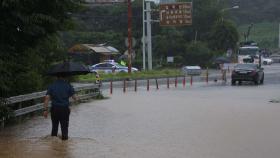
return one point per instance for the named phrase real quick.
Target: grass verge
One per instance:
(134, 75)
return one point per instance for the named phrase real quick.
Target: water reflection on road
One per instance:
(208, 122)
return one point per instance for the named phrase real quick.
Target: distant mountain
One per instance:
(253, 11)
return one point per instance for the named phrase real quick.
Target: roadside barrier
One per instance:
(184, 81)
(150, 83)
(157, 84)
(124, 86)
(111, 87)
(90, 91)
(207, 73)
(135, 85)
(33, 102)
(168, 83)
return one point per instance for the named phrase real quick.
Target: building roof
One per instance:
(94, 48)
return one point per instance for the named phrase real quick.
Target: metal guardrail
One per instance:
(87, 92)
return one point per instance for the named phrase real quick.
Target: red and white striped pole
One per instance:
(124, 86)
(111, 87)
(207, 73)
(135, 85)
(148, 84)
(157, 83)
(168, 83)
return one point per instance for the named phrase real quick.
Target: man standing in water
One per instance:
(59, 93)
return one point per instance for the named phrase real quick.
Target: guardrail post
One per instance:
(19, 118)
(207, 74)
(111, 87)
(184, 81)
(191, 80)
(157, 83)
(135, 85)
(225, 77)
(176, 81)
(148, 84)
(168, 83)
(124, 86)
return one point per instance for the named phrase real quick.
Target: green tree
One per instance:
(224, 35)
(24, 26)
(197, 53)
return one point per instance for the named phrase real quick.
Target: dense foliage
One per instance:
(29, 42)
(5, 111)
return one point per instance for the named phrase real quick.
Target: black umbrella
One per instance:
(68, 68)
(221, 60)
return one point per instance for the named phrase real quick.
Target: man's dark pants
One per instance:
(60, 115)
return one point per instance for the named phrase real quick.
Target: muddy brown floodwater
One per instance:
(201, 122)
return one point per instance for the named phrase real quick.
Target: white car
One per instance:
(267, 61)
(109, 67)
(192, 70)
(255, 59)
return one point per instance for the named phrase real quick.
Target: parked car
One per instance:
(267, 61)
(192, 70)
(275, 58)
(247, 72)
(109, 67)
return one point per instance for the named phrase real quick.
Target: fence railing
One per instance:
(28, 103)
(163, 81)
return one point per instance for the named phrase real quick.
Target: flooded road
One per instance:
(201, 122)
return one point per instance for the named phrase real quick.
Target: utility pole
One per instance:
(129, 34)
(149, 35)
(144, 38)
(279, 37)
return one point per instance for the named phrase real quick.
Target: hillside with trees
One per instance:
(264, 15)
(188, 44)
(255, 11)
(36, 34)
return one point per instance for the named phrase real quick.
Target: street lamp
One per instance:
(226, 9)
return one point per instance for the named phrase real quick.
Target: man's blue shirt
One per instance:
(60, 91)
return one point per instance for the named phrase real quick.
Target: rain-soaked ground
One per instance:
(199, 122)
